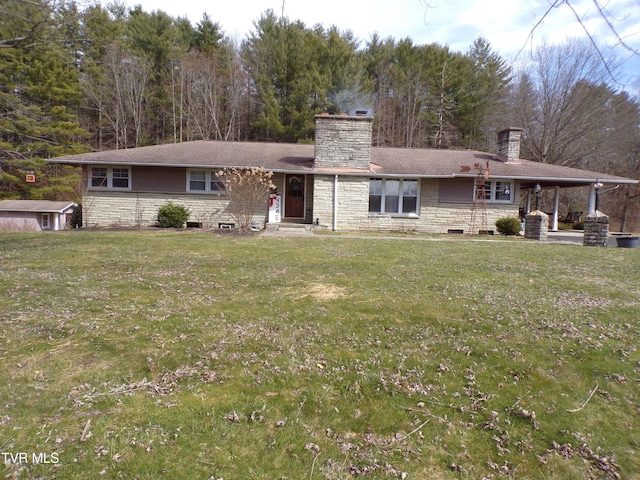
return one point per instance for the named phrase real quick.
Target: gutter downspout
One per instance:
(335, 203)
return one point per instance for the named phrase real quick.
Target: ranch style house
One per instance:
(341, 182)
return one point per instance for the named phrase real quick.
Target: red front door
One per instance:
(294, 196)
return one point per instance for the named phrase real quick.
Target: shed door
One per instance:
(294, 196)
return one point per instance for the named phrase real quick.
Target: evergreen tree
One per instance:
(488, 78)
(157, 41)
(39, 100)
(293, 71)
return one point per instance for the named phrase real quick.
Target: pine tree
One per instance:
(39, 100)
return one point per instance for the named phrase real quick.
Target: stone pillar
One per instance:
(596, 229)
(536, 225)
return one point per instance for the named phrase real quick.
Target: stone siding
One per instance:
(109, 208)
(343, 142)
(433, 216)
(353, 201)
(509, 143)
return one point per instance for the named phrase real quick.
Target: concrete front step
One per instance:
(291, 227)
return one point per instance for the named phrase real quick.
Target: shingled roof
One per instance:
(36, 206)
(299, 158)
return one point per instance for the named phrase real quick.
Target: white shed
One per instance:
(35, 215)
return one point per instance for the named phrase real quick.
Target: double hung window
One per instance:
(116, 178)
(204, 181)
(496, 191)
(393, 196)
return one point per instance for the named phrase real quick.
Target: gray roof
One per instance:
(36, 206)
(294, 158)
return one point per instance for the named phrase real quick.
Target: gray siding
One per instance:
(159, 179)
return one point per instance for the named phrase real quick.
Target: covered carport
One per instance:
(596, 185)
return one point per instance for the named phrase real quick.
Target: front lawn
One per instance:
(189, 355)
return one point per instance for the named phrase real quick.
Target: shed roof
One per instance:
(35, 206)
(298, 158)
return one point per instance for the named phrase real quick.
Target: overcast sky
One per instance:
(508, 25)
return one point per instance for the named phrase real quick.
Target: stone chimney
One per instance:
(509, 144)
(343, 141)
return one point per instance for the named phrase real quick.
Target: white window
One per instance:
(99, 176)
(197, 181)
(496, 191)
(45, 221)
(399, 196)
(117, 178)
(204, 181)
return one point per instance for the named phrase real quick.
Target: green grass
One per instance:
(189, 355)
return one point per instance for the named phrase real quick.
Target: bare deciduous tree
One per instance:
(572, 117)
(117, 92)
(213, 88)
(614, 22)
(555, 101)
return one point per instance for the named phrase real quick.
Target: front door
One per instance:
(294, 196)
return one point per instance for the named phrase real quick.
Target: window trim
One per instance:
(491, 198)
(209, 177)
(46, 221)
(401, 196)
(110, 178)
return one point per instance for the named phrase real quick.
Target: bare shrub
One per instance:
(248, 189)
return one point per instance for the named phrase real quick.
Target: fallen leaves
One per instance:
(163, 386)
(601, 465)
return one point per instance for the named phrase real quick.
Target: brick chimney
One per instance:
(509, 144)
(343, 141)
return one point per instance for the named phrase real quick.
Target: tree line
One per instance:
(108, 77)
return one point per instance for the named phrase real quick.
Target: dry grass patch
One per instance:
(319, 292)
(325, 292)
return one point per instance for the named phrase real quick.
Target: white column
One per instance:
(592, 199)
(335, 203)
(554, 220)
(528, 206)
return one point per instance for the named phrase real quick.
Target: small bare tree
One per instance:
(248, 189)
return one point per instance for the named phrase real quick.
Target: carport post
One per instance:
(335, 203)
(592, 199)
(554, 219)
